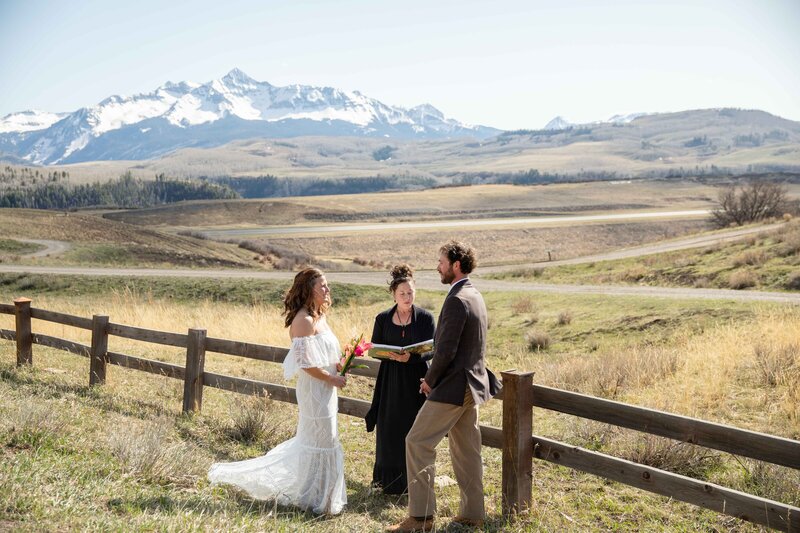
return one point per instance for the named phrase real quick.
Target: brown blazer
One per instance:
(459, 358)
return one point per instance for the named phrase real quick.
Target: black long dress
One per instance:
(396, 399)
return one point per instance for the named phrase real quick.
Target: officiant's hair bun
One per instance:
(400, 274)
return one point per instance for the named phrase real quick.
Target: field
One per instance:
(96, 241)
(767, 262)
(122, 457)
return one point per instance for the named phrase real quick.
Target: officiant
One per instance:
(396, 399)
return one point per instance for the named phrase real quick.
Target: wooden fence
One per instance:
(519, 446)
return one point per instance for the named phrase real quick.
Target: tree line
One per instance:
(272, 186)
(124, 192)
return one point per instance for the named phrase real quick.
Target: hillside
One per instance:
(107, 242)
(691, 142)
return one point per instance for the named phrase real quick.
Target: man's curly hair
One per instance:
(461, 252)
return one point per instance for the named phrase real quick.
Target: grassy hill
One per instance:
(769, 261)
(97, 241)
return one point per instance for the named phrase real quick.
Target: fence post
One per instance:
(98, 357)
(517, 448)
(193, 380)
(22, 312)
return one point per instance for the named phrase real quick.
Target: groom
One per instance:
(456, 383)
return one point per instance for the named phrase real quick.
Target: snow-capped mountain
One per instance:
(558, 123)
(30, 120)
(185, 114)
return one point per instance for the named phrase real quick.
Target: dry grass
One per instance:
(712, 374)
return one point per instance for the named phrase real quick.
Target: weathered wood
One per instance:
(275, 354)
(193, 380)
(61, 344)
(517, 452)
(146, 365)
(148, 335)
(22, 312)
(62, 318)
(353, 406)
(491, 436)
(751, 444)
(6, 309)
(97, 359)
(761, 511)
(249, 350)
(8, 334)
(279, 393)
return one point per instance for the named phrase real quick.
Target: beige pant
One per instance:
(460, 422)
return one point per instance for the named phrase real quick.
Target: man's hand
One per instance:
(424, 388)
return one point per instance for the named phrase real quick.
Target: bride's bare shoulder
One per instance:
(302, 325)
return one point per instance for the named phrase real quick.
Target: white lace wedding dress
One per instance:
(307, 470)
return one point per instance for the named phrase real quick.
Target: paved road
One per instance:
(425, 279)
(436, 224)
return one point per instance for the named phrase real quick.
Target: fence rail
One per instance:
(519, 446)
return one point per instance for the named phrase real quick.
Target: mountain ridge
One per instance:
(293, 110)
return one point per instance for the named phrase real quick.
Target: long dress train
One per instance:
(307, 470)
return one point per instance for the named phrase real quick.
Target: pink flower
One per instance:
(357, 348)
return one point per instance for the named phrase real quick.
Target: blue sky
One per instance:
(503, 63)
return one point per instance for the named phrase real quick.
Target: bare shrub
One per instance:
(523, 304)
(666, 454)
(537, 272)
(256, 419)
(425, 303)
(701, 283)
(145, 451)
(537, 340)
(742, 279)
(564, 318)
(750, 257)
(757, 200)
(635, 273)
(281, 257)
(790, 243)
(193, 233)
(793, 281)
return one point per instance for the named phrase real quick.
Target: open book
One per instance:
(382, 351)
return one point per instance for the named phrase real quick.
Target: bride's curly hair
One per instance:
(400, 274)
(301, 294)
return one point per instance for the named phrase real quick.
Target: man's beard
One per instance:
(448, 277)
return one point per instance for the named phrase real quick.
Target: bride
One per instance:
(308, 470)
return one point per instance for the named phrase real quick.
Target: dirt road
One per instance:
(51, 248)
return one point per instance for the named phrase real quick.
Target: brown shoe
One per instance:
(412, 524)
(476, 523)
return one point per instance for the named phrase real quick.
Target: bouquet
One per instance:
(355, 348)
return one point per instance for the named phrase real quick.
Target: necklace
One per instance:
(403, 323)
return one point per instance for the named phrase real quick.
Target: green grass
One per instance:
(770, 262)
(11, 247)
(180, 290)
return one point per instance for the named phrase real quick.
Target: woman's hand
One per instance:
(402, 357)
(338, 368)
(337, 381)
